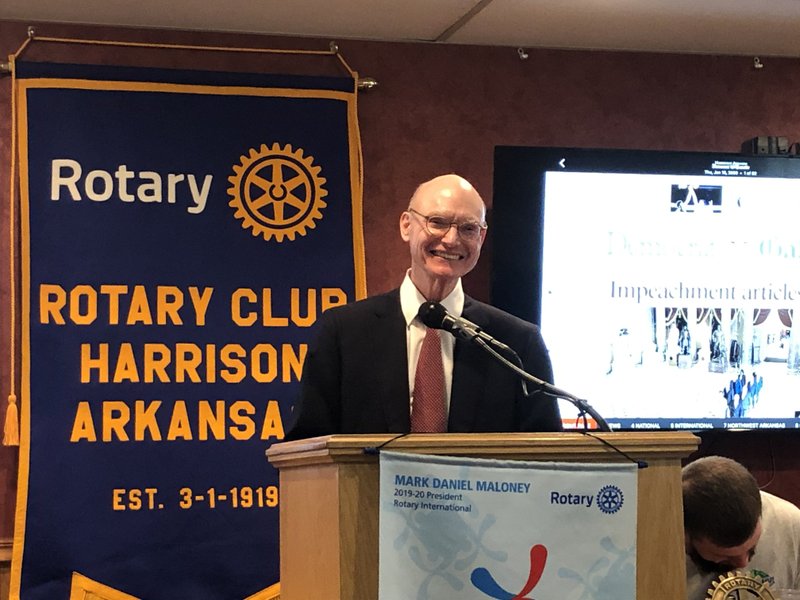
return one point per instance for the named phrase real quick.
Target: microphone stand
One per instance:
(434, 315)
(549, 389)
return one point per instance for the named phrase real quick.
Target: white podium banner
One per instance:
(472, 529)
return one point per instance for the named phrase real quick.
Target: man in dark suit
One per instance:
(359, 376)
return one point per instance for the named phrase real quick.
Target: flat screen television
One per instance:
(665, 283)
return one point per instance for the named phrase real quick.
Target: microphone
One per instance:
(435, 316)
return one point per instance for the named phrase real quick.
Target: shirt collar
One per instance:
(411, 299)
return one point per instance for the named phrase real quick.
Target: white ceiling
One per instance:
(742, 27)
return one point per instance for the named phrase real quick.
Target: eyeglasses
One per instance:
(439, 226)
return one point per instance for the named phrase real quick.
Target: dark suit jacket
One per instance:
(355, 377)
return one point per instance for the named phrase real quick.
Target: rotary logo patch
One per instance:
(738, 586)
(609, 499)
(277, 192)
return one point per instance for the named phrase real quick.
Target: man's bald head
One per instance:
(445, 226)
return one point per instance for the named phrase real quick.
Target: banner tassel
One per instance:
(11, 427)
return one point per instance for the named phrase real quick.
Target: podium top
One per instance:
(567, 446)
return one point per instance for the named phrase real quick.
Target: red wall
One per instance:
(443, 108)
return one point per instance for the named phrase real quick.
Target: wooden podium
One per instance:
(329, 502)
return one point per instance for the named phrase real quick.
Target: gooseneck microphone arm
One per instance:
(584, 408)
(434, 315)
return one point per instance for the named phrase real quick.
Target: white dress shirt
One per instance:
(410, 301)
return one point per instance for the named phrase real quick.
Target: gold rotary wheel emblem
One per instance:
(738, 586)
(277, 192)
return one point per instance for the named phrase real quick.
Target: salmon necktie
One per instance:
(428, 413)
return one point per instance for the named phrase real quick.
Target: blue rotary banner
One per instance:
(181, 233)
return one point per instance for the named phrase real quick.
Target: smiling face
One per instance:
(438, 261)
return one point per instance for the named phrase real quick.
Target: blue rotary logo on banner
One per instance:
(610, 499)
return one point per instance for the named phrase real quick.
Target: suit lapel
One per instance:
(469, 378)
(390, 363)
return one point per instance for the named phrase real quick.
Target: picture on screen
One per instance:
(665, 283)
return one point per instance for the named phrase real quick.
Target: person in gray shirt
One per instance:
(730, 525)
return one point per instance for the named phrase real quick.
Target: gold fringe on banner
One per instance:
(11, 426)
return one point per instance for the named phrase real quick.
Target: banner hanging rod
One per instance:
(365, 83)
